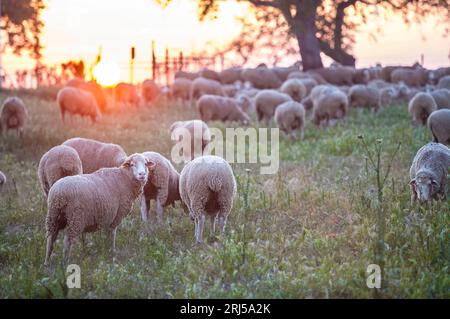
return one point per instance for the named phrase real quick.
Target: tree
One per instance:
(329, 26)
(21, 23)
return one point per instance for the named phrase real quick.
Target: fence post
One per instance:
(166, 66)
(180, 61)
(133, 55)
(153, 62)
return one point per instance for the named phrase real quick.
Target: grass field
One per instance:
(313, 235)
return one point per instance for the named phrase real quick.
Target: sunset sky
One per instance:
(75, 29)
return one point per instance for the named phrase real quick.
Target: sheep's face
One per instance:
(139, 166)
(425, 187)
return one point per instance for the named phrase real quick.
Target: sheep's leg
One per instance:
(200, 224)
(144, 209)
(113, 240)
(213, 224)
(222, 223)
(413, 194)
(302, 134)
(66, 249)
(50, 241)
(159, 211)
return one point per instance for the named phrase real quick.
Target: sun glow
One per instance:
(107, 73)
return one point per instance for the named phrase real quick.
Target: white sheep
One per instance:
(267, 101)
(162, 186)
(420, 107)
(58, 162)
(428, 173)
(212, 107)
(411, 77)
(439, 125)
(208, 188)
(201, 86)
(364, 96)
(295, 89)
(337, 76)
(308, 102)
(2, 180)
(181, 89)
(95, 155)
(290, 116)
(93, 88)
(442, 98)
(231, 75)
(77, 101)
(330, 104)
(127, 94)
(85, 203)
(199, 137)
(150, 91)
(13, 115)
(444, 82)
(261, 78)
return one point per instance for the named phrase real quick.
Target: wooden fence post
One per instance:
(166, 66)
(153, 62)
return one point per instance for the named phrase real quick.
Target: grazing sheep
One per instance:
(150, 91)
(127, 94)
(440, 73)
(267, 101)
(439, 125)
(181, 89)
(337, 76)
(415, 77)
(231, 75)
(364, 96)
(2, 180)
(95, 155)
(444, 83)
(261, 78)
(330, 104)
(283, 72)
(76, 101)
(13, 115)
(162, 186)
(442, 98)
(208, 188)
(361, 76)
(199, 134)
(230, 90)
(202, 86)
(379, 84)
(308, 102)
(290, 116)
(93, 88)
(85, 203)
(420, 107)
(58, 162)
(387, 96)
(294, 88)
(386, 72)
(309, 84)
(307, 75)
(209, 74)
(428, 173)
(212, 107)
(245, 103)
(186, 75)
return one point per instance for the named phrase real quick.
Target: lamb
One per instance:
(76, 101)
(95, 155)
(295, 89)
(428, 173)
(411, 77)
(208, 188)
(85, 203)
(231, 75)
(261, 78)
(213, 108)
(181, 89)
(93, 88)
(290, 116)
(439, 125)
(58, 162)
(444, 83)
(150, 91)
(127, 94)
(202, 86)
(267, 101)
(364, 96)
(162, 186)
(420, 107)
(442, 98)
(330, 104)
(199, 137)
(2, 180)
(13, 115)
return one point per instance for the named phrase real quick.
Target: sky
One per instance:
(75, 29)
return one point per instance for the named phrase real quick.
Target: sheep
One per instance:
(439, 125)
(76, 101)
(267, 101)
(93, 88)
(428, 173)
(127, 94)
(208, 187)
(261, 78)
(162, 186)
(199, 136)
(209, 74)
(307, 75)
(212, 107)
(444, 82)
(150, 91)
(58, 162)
(309, 84)
(283, 72)
(85, 203)
(13, 115)
(186, 75)
(361, 76)
(245, 103)
(181, 89)
(337, 76)
(415, 77)
(364, 96)
(420, 107)
(379, 84)
(440, 73)
(308, 102)
(294, 88)
(202, 86)
(229, 90)
(231, 75)
(330, 103)
(442, 98)
(290, 116)
(3, 180)
(387, 96)
(95, 155)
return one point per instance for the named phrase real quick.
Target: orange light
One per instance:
(107, 73)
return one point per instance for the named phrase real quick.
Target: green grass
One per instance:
(313, 239)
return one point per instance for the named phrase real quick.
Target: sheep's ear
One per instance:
(150, 165)
(434, 182)
(127, 163)
(412, 182)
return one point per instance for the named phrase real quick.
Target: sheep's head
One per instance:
(139, 166)
(425, 185)
(245, 103)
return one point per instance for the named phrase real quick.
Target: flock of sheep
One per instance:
(91, 185)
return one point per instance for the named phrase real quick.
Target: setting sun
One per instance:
(107, 73)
